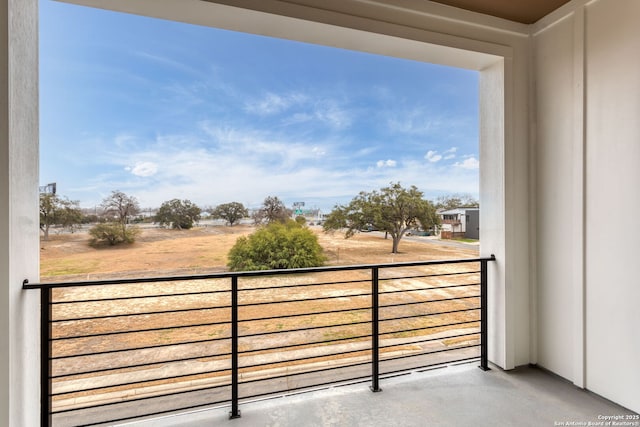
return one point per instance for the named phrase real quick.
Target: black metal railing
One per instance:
(117, 350)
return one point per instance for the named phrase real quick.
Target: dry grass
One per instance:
(200, 250)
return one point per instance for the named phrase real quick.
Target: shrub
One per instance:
(276, 246)
(112, 233)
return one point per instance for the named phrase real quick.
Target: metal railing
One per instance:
(116, 350)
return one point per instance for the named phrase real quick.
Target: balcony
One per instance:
(565, 300)
(120, 350)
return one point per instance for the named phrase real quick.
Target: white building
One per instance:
(559, 108)
(459, 222)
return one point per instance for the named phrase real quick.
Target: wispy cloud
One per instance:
(331, 113)
(433, 156)
(227, 164)
(272, 103)
(386, 163)
(143, 169)
(450, 153)
(167, 61)
(470, 163)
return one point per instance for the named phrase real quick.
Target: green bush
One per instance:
(112, 233)
(276, 246)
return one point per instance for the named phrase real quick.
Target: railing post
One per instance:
(45, 356)
(375, 332)
(484, 362)
(235, 411)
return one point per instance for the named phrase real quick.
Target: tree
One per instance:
(453, 201)
(230, 212)
(119, 207)
(276, 246)
(393, 209)
(272, 210)
(60, 211)
(179, 214)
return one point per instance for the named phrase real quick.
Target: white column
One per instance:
(19, 248)
(492, 199)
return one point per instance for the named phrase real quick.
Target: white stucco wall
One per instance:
(492, 195)
(613, 178)
(556, 212)
(588, 146)
(5, 324)
(19, 248)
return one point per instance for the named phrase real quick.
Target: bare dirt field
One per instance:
(199, 316)
(160, 252)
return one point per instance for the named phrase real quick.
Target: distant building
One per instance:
(313, 216)
(460, 222)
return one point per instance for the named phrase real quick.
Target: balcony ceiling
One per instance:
(524, 11)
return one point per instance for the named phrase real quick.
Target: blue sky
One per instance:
(164, 110)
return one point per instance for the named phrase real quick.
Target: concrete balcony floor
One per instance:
(461, 395)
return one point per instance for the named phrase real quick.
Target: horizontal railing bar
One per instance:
(319, 299)
(429, 314)
(315, 371)
(267, 288)
(344, 282)
(142, 382)
(422, 276)
(310, 328)
(98, 353)
(263, 303)
(302, 285)
(430, 340)
(429, 289)
(406, 356)
(308, 343)
(220, 307)
(313, 313)
(261, 333)
(207, 356)
(139, 399)
(228, 306)
(429, 327)
(291, 271)
(180, 294)
(141, 365)
(168, 411)
(254, 304)
(266, 318)
(298, 359)
(137, 331)
(146, 313)
(401, 304)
